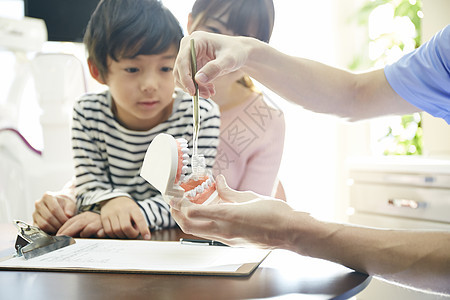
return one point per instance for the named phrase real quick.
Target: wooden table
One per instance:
(281, 274)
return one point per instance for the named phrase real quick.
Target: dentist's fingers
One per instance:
(177, 203)
(201, 228)
(227, 194)
(216, 56)
(182, 68)
(204, 90)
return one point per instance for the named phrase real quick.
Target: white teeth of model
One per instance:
(182, 176)
(185, 162)
(185, 150)
(185, 156)
(209, 182)
(184, 169)
(205, 185)
(199, 189)
(192, 193)
(182, 140)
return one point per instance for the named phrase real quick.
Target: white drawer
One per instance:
(426, 179)
(422, 203)
(389, 222)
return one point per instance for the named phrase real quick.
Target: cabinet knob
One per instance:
(406, 203)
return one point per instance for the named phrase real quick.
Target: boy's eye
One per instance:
(131, 70)
(166, 69)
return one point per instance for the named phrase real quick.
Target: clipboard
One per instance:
(143, 257)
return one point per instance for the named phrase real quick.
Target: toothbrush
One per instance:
(197, 161)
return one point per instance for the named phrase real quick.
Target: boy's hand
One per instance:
(122, 218)
(84, 225)
(53, 210)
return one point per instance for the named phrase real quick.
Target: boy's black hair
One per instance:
(128, 28)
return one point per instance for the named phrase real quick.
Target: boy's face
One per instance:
(142, 89)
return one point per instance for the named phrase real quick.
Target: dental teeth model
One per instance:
(165, 167)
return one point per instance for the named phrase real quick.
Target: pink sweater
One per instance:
(251, 145)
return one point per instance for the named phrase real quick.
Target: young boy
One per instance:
(132, 46)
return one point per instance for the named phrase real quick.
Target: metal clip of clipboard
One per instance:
(32, 241)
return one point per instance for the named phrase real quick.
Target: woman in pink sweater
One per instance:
(252, 127)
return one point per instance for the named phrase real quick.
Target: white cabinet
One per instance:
(403, 193)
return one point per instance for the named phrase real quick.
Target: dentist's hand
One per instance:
(243, 218)
(216, 56)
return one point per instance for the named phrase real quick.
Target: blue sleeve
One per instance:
(422, 77)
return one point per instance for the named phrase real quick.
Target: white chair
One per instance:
(26, 173)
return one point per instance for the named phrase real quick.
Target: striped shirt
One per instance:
(108, 157)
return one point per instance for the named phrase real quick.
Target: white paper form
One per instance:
(105, 254)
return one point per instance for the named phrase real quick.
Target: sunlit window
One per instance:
(393, 29)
